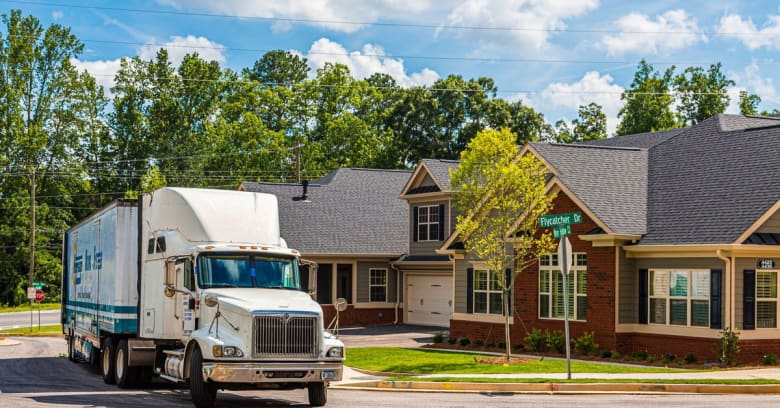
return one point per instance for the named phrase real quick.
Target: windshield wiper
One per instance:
(222, 285)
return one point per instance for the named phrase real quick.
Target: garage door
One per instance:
(429, 300)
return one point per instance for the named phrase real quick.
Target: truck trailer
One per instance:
(196, 287)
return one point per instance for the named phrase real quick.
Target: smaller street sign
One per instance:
(554, 220)
(38, 285)
(30, 293)
(561, 231)
(565, 255)
(39, 296)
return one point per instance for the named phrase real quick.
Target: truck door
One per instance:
(186, 303)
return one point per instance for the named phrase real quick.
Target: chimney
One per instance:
(303, 197)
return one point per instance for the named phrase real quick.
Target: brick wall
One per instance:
(361, 317)
(705, 350)
(600, 294)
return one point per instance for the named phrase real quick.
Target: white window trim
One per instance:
(487, 292)
(689, 298)
(766, 299)
(371, 285)
(549, 269)
(428, 224)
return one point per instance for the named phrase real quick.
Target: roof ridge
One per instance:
(586, 146)
(370, 169)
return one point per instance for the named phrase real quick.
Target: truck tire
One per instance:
(202, 392)
(126, 376)
(108, 356)
(318, 394)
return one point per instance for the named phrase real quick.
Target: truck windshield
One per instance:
(247, 271)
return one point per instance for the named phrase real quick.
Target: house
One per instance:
(680, 240)
(352, 225)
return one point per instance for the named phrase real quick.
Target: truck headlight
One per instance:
(336, 352)
(227, 351)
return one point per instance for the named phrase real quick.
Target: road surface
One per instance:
(35, 374)
(22, 319)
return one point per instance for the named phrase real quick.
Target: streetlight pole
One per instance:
(32, 239)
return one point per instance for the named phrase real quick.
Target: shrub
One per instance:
(585, 344)
(464, 341)
(728, 346)
(690, 358)
(438, 337)
(535, 340)
(452, 341)
(518, 347)
(501, 345)
(639, 355)
(606, 354)
(771, 359)
(668, 358)
(615, 355)
(479, 343)
(555, 340)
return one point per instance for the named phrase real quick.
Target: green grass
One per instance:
(587, 380)
(420, 361)
(26, 307)
(51, 329)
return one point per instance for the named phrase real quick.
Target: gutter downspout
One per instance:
(397, 290)
(729, 288)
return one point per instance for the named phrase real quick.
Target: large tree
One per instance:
(702, 93)
(649, 102)
(500, 196)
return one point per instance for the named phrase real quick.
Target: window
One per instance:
(766, 299)
(488, 295)
(551, 288)
(377, 285)
(428, 223)
(679, 297)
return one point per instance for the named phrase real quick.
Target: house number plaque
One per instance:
(766, 264)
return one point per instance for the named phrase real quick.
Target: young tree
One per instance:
(748, 103)
(648, 105)
(501, 196)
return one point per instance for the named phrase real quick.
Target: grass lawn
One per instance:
(418, 361)
(588, 380)
(45, 330)
(26, 307)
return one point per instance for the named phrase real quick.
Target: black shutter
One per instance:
(470, 290)
(716, 288)
(441, 222)
(415, 217)
(749, 300)
(509, 293)
(643, 296)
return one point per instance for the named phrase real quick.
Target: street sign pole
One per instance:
(565, 261)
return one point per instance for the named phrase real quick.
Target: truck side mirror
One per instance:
(170, 278)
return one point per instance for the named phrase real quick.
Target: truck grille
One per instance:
(286, 336)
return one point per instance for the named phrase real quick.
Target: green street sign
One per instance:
(561, 231)
(38, 285)
(554, 220)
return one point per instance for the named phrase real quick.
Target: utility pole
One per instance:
(297, 161)
(32, 238)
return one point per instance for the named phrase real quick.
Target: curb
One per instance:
(564, 388)
(9, 342)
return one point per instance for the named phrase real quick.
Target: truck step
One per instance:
(179, 352)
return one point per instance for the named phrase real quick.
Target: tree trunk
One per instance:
(506, 324)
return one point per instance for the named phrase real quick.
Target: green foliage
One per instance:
(555, 340)
(639, 355)
(615, 354)
(702, 93)
(648, 102)
(690, 358)
(438, 337)
(535, 340)
(606, 354)
(668, 358)
(748, 103)
(591, 124)
(479, 343)
(770, 359)
(586, 344)
(728, 346)
(464, 341)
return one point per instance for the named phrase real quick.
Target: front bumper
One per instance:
(252, 373)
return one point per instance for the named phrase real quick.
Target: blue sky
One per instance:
(552, 54)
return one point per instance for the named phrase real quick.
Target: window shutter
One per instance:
(508, 283)
(716, 305)
(643, 296)
(415, 218)
(749, 300)
(441, 222)
(470, 290)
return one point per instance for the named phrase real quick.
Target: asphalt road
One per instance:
(22, 319)
(34, 374)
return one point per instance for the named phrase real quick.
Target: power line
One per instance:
(387, 24)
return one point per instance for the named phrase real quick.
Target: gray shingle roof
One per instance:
(711, 182)
(440, 170)
(350, 211)
(641, 140)
(610, 181)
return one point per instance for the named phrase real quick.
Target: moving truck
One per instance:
(196, 287)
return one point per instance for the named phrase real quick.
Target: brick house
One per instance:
(680, 239)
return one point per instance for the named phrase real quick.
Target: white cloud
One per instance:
(752, 80)
(325, 12)
(541, 16)
(733, 26)
(593, 87)
(366, 62)
(57, 14)
(669, 32)
(178, 47)
(103, 71)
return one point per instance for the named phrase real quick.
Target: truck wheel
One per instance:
(318, 394)
(125, 375)
(202, 392)
(108, 353)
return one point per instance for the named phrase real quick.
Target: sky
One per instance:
(553, 55)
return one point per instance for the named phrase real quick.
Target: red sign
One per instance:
(39, 296)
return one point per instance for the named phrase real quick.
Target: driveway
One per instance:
(402, 335)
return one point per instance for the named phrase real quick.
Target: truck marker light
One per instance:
(209, 247)
(265, 248)
(294, 252)
(253, 247)
(242, 246)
